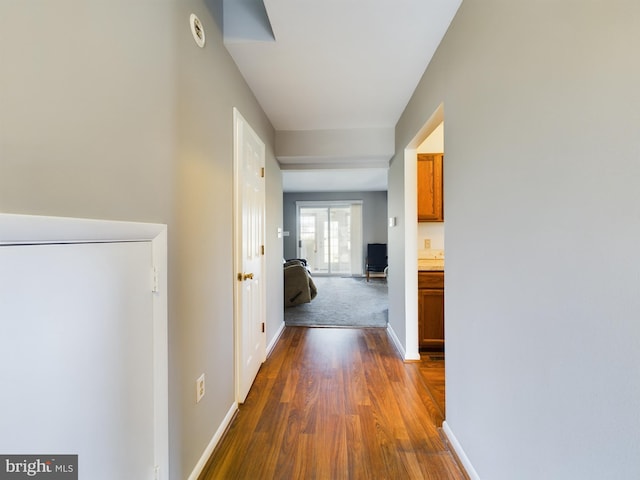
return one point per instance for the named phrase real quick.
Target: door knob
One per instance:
(248, 276)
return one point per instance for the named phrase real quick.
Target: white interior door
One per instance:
(249, 159)
(76, 355)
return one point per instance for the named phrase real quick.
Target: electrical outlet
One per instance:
(199, 388)
(427, 243)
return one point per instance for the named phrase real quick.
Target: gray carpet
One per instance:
(343, 302)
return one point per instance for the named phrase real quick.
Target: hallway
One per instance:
(335, 403)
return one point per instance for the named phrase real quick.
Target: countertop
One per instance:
(431, 264)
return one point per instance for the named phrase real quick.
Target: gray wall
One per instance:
(110, 110)
(396, 247)
(374, 215)
(543, 219)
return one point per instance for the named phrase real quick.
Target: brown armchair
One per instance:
(298, 284)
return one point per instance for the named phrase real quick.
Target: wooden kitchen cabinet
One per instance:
(431, 310)
(430, 187)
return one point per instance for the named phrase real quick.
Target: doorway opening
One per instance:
(330, 237)
(425, 292)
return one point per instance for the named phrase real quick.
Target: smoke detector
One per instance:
(197, 30)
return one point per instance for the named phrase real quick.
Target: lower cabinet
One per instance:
(431, 310)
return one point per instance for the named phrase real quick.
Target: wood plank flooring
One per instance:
(431, 368)
(335, 403)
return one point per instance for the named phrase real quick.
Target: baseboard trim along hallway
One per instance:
(459, 452)
(396, 342)
(204, 458)
(275, 339)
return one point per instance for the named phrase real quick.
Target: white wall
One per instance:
(110, 110)
(77, 355)
(434, 232)
(543, 349)
(371, 147)
(434, 143)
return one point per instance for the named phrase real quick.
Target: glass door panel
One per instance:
(326, 238)
(340, 240)
(313, 239)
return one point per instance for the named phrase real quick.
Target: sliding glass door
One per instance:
(330, 237)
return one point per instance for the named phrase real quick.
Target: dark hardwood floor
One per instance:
(337, 403)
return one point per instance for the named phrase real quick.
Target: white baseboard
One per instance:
(396, 340)
(275, 339)
(202, 463)
(464, 460)
(213, 443)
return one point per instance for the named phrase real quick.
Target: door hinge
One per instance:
(262, 249)
(156, 473)
(155, 282)
(262, 327)
(262, 172)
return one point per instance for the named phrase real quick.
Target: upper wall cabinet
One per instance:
(430, 187)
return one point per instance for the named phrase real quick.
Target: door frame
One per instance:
(17, 229)
(412, 351)
(237, 256)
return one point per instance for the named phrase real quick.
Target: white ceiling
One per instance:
(336, 180)
(335, 65)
